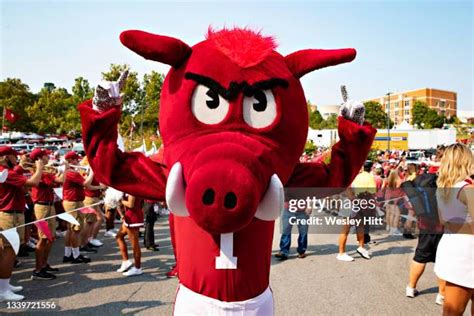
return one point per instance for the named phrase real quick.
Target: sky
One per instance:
(401, 45)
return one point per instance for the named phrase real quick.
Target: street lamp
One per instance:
(388, 120)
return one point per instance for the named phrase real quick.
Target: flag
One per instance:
(43, 226)
(11, 116)
(87, 210)
(13, 238)
(68, 218)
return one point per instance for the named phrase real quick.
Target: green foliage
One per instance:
(424, 117)
(16, 96)
(330, 122)
(54, 109)
(315, 119)
(375, 115)
(309, 147)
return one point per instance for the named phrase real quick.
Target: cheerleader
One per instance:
(132, 220)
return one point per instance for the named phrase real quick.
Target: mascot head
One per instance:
(234, 121)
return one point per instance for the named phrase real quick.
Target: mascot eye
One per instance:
(208, 106)
(260, 109)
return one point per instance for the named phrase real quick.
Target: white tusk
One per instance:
(175, 191)
(271, 205)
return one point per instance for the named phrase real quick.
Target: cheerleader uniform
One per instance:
(455, 254)
(133, 217)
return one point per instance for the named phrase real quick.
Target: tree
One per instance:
(433, 120)
(330, 122)
(315, 118)
(375, 115)
(16, 96)
(424, 117)
(81, 90)
(418, 113)
(48, 113)
(152, 85)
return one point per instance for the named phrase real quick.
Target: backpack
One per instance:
(421, 193)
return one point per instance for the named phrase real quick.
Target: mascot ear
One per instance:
(163, 49)
(304, 61)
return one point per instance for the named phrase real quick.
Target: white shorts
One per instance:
(455, 259)
(191, 303)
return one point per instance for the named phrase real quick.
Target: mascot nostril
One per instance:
(230, 200)
(233, 119)
(208, 197)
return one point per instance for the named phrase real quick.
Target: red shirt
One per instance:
(93, 193)
(73, 187)
(22, 171)
(44, 192)
(12, 194)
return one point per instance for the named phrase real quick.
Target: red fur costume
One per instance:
(233, 119)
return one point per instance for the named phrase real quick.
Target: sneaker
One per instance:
(439, 299)
(396, 232)
(42, 275)
(411, 292)
(110, 233)
(67, 259)
(125, 266)
(86, 248)
(96, 243)
(280, 255)
(15, 289)
(302, 255)
(90, 245)
(364, 253)
(344, 257)
(51, 269)
(10, 296)
(173, 273)
(133, 271)
(80, 259)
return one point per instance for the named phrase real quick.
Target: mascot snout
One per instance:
(223, 192)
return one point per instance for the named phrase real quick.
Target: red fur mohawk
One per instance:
(242, 46)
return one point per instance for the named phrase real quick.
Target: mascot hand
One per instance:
(107, 93)
(354, 111)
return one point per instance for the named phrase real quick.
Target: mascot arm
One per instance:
(347, 157)
(132, 172)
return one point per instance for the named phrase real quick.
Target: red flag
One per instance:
(87, 210)
(43, 226)
(11, 116)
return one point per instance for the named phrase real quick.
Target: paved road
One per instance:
(316, 285)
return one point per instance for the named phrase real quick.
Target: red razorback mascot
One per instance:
(234, 123)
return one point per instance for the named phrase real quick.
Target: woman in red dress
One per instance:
(132, 220)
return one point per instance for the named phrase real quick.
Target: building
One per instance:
(401, 104)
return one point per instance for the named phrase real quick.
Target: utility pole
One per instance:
(388, 120)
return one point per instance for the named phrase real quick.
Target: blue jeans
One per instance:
(286, 227)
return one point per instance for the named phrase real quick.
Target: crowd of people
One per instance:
(431, 197)
(28, 195)
(30, 202)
